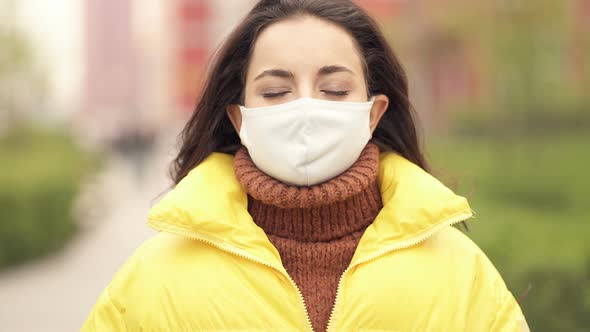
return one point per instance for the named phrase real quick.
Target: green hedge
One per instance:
(533, 218)
(40, 175)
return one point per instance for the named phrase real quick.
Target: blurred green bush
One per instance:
(40, 176)
(530, 193)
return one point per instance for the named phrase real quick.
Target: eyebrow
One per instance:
(282, 73)
(276, 73)
(333, 69)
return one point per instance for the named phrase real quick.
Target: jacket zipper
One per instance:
(331, 327)
(401, 245)
(230, 249)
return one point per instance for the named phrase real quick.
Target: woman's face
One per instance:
(305, 57)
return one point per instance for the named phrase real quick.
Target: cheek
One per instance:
(249, 97)
(361, 89)
(252, 100)
(360, 92)
(361, 95)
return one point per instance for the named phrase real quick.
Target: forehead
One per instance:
(304, 43)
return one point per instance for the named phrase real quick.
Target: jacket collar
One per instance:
(209, 203)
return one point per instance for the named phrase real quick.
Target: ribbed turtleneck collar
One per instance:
(341, 206)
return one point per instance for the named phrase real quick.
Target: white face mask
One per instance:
(306, 141)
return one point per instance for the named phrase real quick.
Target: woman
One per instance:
(303, 201)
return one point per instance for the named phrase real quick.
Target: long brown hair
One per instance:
(209, 129)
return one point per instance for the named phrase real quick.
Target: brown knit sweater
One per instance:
(315, 229)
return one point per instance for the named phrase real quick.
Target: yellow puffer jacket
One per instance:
(211, 268)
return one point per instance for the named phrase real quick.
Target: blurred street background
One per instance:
(94, 92)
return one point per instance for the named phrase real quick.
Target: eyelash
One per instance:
(280, 94)
(336, 93)
(275, 94)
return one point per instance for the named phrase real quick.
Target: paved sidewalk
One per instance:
(56, 293)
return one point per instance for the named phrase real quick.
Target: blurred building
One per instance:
(145, 60)
(200, 26)
(192, 19)
(111, 78)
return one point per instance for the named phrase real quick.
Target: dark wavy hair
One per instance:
(210, 130)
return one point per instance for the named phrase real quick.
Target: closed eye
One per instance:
(336, 93)
(270, 95)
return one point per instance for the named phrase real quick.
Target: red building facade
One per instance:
(192, 50)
